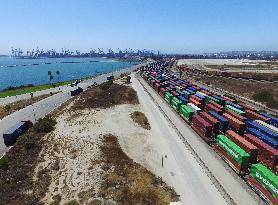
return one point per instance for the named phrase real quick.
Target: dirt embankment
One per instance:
(81, 161)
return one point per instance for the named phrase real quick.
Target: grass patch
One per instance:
(16, 180)
(127, 182)
(141, 119)
(111, 95)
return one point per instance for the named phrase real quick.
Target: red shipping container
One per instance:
(202, 127)
(174, 93)
(195, 102)
(267, 155)
(235, 115)
(216, 105)
(157, 87)
(244, 144)
(214, 122)
(161, 92)
(239, 126)
(255, 116)
(210, 107)
(196, 98)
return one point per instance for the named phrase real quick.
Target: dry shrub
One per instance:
(129, 182)
(96, 97)
(141, 119)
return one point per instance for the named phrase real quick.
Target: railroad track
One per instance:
(241, 79)
(249, 102)
(216, 183)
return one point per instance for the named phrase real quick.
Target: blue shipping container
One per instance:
(263, 129)
(273, 120)
(270, 141)
(222, 121)
(183, 100)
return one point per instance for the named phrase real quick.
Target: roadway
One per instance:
(42, 108)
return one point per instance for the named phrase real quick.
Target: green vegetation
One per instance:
(266, 97)
(106, 85)
(4, 163)
(263, 96)
(45, 125)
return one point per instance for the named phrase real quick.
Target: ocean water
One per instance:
(16, 72)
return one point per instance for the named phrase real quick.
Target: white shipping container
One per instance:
(271, 127)
(194, 107)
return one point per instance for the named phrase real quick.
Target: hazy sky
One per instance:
(176, 26)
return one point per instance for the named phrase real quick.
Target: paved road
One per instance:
(230, 185)
(45, 106)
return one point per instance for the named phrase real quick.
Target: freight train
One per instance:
(245, 138)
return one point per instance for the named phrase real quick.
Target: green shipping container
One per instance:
(229, 107)
(168, 97)
(210, 98)
(266, 177)
(233, 150)
(176, 103)
(186, 112)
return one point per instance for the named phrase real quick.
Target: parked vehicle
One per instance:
(12, 134)
(76, 91)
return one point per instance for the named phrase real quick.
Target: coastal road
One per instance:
(210, 178)
(64, 88)
(47, 105)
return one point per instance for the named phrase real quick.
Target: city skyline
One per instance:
(168, 26)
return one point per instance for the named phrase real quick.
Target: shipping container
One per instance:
(213, 121)
(203, 128)
(264, 182)
(234, 105)
(266, 154)
(237, 116)
(183, 100)
(273, 120)
(186, 113)
(263, 129)
(176, 103)
(248, 147)
(270, 141)
(223, 123)
(236, 157)
(194, 108)
(268, 126)
(13, 133)
(229, 107)
(211, 107)
(168, 97)
(255, 116)
(235, 124)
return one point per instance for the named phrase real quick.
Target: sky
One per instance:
(170, 26)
